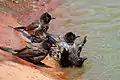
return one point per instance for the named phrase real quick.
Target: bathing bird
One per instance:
(71, 57)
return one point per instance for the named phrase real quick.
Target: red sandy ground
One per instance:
(23, 13)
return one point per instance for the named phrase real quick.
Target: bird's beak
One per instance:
(84, 58)
(53, 18)
(77, 36)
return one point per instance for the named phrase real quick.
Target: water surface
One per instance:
(100, 21)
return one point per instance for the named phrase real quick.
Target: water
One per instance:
(100, 21)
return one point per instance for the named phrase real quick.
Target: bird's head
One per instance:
(46, 18)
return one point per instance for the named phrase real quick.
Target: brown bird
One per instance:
(34, 52)
(38, 27)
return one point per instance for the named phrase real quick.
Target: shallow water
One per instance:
(100, 21)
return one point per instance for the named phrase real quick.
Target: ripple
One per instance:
(101, 21)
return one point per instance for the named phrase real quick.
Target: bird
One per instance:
(38, 27)
(70, 51)
(33, 52)
(71, 57)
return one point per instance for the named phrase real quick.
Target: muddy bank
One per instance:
(13, 68)
(27, 11)
(15, 14)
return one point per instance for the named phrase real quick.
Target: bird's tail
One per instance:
(20, 27)
(7, 49)
(16, 28)
(22, 32)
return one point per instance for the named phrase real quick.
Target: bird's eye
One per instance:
(47, 18)
(49, 45)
